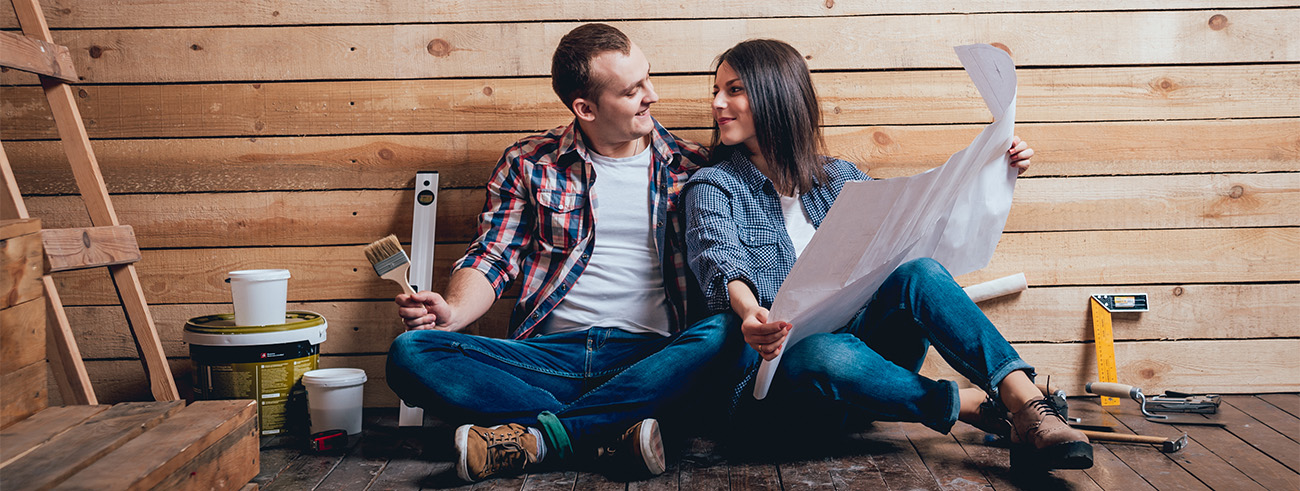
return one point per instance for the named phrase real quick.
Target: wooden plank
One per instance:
(23, 264)
(11, 200)
(64, 353)
(1252, 459)
(1196, 458)
(753, 476)
(341, 217)
(124, 380)
(158, 454)
(1270, 433)
(68, 249)
(1286, 402)
(36, 56)
(1158, 469)
(799, 475)
(1223, 366)
(304, 472)
(896, 459)
(945, 458)
(24, 392)
(1123, 257)
(567, 480)
(463, 160)
(138, 13)
(1275, 418)
(524, 49)
(528, 104)
(77, 448)
(994, 461)
(17, 227)
(1127, 257)
(363, 463)
(28, 434)
(229, 464)
(276, 453)
(22, 335)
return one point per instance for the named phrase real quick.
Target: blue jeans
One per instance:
(868, 369)
(597, 382)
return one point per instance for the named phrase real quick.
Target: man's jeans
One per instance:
(867, 370)
(598, 382)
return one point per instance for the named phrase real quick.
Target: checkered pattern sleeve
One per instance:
(505, 228)
(713, 245)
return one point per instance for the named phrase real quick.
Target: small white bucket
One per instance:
(259, 296)
(334, 398)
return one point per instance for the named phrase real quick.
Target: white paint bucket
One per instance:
(259, 296)
(334, 398)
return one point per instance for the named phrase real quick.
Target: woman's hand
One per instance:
(1020, 154)
(763, 336)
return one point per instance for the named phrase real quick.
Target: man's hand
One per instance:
(424, 310)
(765, 337)
(1020, 154)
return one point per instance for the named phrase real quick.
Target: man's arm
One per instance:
(468, 297)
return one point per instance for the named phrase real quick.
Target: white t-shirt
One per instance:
(797, 223)
(623, 284)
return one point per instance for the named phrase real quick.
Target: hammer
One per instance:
(1167, 445)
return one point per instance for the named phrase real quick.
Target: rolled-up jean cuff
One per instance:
(954, 409)
(1001, 373)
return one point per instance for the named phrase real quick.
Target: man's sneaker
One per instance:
(638, 453)
(1043, 440)
(501, 449)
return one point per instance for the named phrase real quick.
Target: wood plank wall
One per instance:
(285, 133)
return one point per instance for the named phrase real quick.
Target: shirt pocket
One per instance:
(560, 218)
(763, 244)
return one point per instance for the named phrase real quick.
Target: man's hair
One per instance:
(571, 76)
(787, 119)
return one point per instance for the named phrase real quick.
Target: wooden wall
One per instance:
(286, 134)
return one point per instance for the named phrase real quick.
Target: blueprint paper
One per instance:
(953, 213)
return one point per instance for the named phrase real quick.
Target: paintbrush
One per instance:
(390, 261)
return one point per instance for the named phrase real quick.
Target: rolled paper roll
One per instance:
(997, 288)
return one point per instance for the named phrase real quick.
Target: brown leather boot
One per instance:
(1043, 440)
(637, 454)
(497, 450)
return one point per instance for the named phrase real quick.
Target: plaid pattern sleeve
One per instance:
(715, 250)
(505, 227)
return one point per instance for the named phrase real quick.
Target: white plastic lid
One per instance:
(334, 377)
(258, 275)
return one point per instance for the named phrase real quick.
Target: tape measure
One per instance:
(1103, 334)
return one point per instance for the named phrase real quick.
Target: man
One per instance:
(587, 215)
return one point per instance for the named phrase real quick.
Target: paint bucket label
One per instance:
(263, 363)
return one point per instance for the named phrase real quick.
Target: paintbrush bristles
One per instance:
(384, 248)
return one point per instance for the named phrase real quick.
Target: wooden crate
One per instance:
(133, 445)
(22, 321)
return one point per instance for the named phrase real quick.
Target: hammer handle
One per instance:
(1106, 436)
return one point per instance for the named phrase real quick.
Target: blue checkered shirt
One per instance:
(735, 229)
(537, 224)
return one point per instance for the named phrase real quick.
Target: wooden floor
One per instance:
(1258, 449)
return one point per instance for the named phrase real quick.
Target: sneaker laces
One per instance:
(503, 451)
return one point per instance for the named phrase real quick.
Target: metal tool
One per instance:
(1167, 445)
(1135, 393)
(1103, 336)
(1181, 402)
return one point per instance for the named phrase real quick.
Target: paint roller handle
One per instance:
(1112, 389)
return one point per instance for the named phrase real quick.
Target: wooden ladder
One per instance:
(107, 244)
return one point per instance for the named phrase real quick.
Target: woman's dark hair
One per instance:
(787, 118)
(571, 65)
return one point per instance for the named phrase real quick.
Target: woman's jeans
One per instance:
(867, 370)
(598, 382)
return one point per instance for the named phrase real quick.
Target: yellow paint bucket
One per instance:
(263, 363)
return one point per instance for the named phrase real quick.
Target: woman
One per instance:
(754, 210)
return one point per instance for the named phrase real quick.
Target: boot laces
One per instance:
(503, 451)
(1046, 409)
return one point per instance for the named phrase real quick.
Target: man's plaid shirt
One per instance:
(536, 223)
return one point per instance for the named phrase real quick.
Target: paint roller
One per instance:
(997, 288)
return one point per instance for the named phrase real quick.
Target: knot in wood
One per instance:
(830, 4)
(1236, 192)
(487, 91)
(196, 47)
(1178, 291)
(439, 48)
(85, 239)
(1218, 22)
(96, 51)
(386, 154)
(881, 138)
